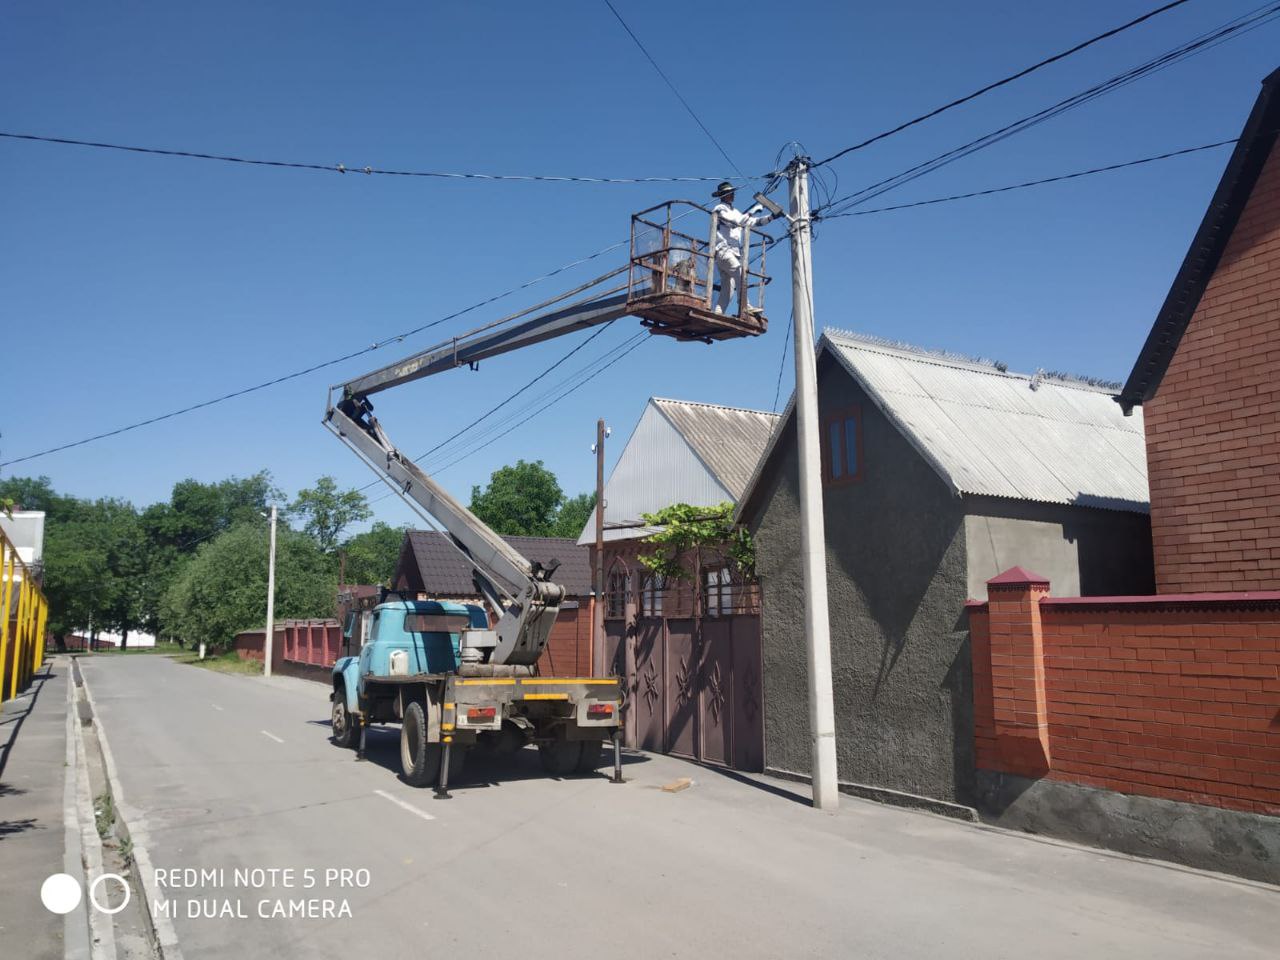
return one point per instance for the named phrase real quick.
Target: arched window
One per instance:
(616, 591)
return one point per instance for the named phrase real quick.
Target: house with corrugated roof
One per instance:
(939, 472)
(690, 650)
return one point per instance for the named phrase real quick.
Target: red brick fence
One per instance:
(1175, 697)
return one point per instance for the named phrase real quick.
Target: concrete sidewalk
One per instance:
(33, 832)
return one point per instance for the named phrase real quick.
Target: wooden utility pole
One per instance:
(597, 619)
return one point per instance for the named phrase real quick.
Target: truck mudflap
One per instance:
(481, 703)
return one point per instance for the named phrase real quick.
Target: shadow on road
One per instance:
(483, 768)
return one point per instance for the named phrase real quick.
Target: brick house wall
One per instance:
(1213, 429)
(1174, 698)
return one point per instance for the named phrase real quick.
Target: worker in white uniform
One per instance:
(730, 224)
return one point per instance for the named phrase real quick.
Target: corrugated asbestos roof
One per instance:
(1000, 434)
(445, 572)
(729, 440)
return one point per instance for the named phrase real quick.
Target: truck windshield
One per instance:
(436, 622)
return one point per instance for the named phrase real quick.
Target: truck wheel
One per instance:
(419, 760)
(345, 731)
(590, 759)
(560, 757)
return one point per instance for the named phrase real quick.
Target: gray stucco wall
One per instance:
(896, 563)
(1244, 844)
(1084, 551)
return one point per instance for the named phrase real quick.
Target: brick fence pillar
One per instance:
(1017, 672)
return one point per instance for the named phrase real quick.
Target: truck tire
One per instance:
(560, 757)
(419, 760)
(346, 732)
(589, 762)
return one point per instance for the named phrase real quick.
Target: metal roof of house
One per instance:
(680, 452)
(729, 440)
(990, 432)
(1000, 434)
(445, 572)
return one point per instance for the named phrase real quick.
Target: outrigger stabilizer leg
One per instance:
(617, 757)
(442, 785)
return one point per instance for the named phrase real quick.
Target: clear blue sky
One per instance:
(133, 285)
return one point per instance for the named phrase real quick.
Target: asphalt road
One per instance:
(227, 772)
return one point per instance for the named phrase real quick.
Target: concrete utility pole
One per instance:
(269, 638)
(597, 611)
(813, 540)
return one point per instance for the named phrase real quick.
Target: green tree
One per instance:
(573, 515)
(223, 588)
(371, 557)
(520, 500)
(327, 511)
(195, 513)
(94, 574)
(36, 493)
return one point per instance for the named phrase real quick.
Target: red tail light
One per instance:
(598, 711)
(481, 713)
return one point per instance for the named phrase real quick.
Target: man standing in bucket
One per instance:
(729, 232)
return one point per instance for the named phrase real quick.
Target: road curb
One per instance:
(166, 937)
(75, 925)
(103, 943)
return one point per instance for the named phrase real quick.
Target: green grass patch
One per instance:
(228, 662)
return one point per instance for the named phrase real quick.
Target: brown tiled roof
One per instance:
(441, 570)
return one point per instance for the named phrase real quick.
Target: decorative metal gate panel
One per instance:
(748, 694)
(681, 686)
(715, 692)
(649, 697)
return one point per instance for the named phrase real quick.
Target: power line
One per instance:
(777, 390)
(1000, 83)
(319, 366)
(621, 351)
(1231, 30)
(679, 95)
(494, 409)
(1032, 183)
(343, 168)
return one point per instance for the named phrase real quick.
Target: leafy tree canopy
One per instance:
(223, 589)
(326, 511)
(520, 500)
(371, 556)
(573, 515)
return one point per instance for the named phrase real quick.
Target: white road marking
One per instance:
(216, 707)
(408, 806)
(272, 736)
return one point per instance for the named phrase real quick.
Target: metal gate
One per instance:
(693, 695)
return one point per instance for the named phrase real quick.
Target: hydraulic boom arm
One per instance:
(519, 591)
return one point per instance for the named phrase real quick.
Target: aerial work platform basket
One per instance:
(673, 282)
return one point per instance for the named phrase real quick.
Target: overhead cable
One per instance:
(1231, 30)
(1002, 82)
(679, 96)
(344, 169)
(1032, 183)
